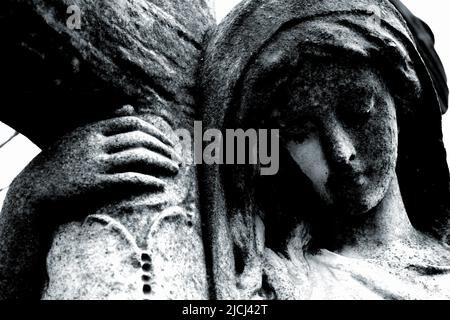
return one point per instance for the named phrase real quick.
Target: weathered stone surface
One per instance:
(280, 64)
(139, 53)
(100, 259)
(144, 53)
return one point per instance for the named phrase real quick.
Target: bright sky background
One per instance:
(16, 154)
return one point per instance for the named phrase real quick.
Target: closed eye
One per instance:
(357, 111)
(298, 133)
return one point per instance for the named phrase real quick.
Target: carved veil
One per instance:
(247, 56)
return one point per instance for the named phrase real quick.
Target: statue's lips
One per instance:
(346, 181)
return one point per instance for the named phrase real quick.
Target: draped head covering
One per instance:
(424, 39)
(246, 59)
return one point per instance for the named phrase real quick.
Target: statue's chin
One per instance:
(353, 203)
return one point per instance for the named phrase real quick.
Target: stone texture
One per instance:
(143, 53)
(255, 224)
(128, 52)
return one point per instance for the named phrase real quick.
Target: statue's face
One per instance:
(340, 127)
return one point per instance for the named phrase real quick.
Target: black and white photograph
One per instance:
(235, 151)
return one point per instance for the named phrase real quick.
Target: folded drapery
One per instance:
(425, 44)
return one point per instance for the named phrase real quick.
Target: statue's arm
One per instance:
(21, 271)
(79, 173)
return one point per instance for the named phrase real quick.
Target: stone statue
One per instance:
(108, 210)
(358, 209)
(360, 206)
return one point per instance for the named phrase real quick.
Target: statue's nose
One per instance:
(340, 145)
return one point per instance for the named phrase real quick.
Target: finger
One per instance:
(127, 124)
(141, 160)
(126, 110)
(139, 139)
(133, 180)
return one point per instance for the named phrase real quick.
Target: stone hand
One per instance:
(106, 160)
(100, 163)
